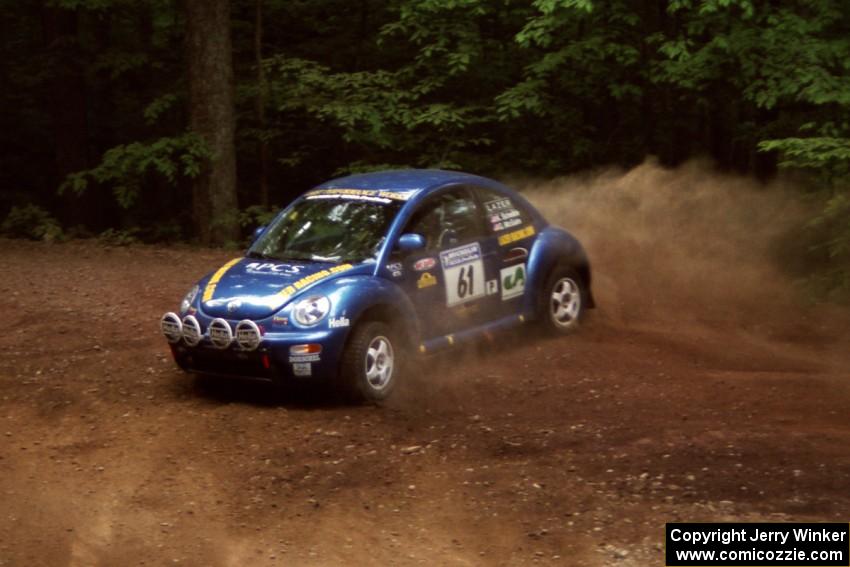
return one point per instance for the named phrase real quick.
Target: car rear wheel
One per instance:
(562, 301)
(370, 362)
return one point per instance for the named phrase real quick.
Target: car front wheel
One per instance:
(562, 301)
(370, 362)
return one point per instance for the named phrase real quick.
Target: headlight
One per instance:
(190, 298)
(311, 310)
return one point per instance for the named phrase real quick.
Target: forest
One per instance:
(167, 121)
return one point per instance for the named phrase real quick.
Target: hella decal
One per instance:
(338, 322)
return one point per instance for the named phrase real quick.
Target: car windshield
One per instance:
(327, 230)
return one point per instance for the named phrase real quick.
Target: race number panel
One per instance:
(463, 272)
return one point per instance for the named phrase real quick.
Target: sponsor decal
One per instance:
(492, 287)
(499, 224)
(513, 281)
(460, 255)
(191, 330)
(271, 268)
(395, 269)
(220, 333)
(502, 214)
(209, 290)
(280, 320)
(515, 254)
(498, 205)
(463, 271)
(248, 335)
(424, 264)
(171, 327)
(312, 278)
(374, 195)
(302, 369)
(510, 237)
(426, 280)
(304, 358)
(337, 322)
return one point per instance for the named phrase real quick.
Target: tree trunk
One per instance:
(211, 115)
(67, 99)
(261, 101)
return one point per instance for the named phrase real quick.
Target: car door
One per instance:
(511, 233)
(450, 278)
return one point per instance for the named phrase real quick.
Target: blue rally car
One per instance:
(363, 272)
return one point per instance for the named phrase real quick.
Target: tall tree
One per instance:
(211, 115)
(261, 101)
(67, 99)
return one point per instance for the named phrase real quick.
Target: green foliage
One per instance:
(256, 216)
(33, 222)
(829, 157)
(360, 104)
(119, 237)
(376, 109)
(493, 86)
(829, 236)
(120, 63)
(159, 106)
(124, 167)
(366, 167)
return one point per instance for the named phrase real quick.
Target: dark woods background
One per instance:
(163, 120)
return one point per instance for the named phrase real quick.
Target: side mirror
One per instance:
(410, 242)
(259, 230)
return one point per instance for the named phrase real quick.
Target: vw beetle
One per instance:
(364, 272)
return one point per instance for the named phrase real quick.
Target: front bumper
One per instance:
(276, 358)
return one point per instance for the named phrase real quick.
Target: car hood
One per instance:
(249, 288)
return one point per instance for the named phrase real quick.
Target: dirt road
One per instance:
(572, 451)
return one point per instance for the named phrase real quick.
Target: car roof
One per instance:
(412, 181)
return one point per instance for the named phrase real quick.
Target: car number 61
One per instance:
(465, 282)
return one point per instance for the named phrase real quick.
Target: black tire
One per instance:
(370, 363)
(562, 316)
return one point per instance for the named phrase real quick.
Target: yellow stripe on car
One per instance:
(210, 289)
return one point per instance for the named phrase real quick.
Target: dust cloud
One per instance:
(687, 260)
(684, 245)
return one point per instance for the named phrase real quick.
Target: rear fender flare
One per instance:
(554, 247)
